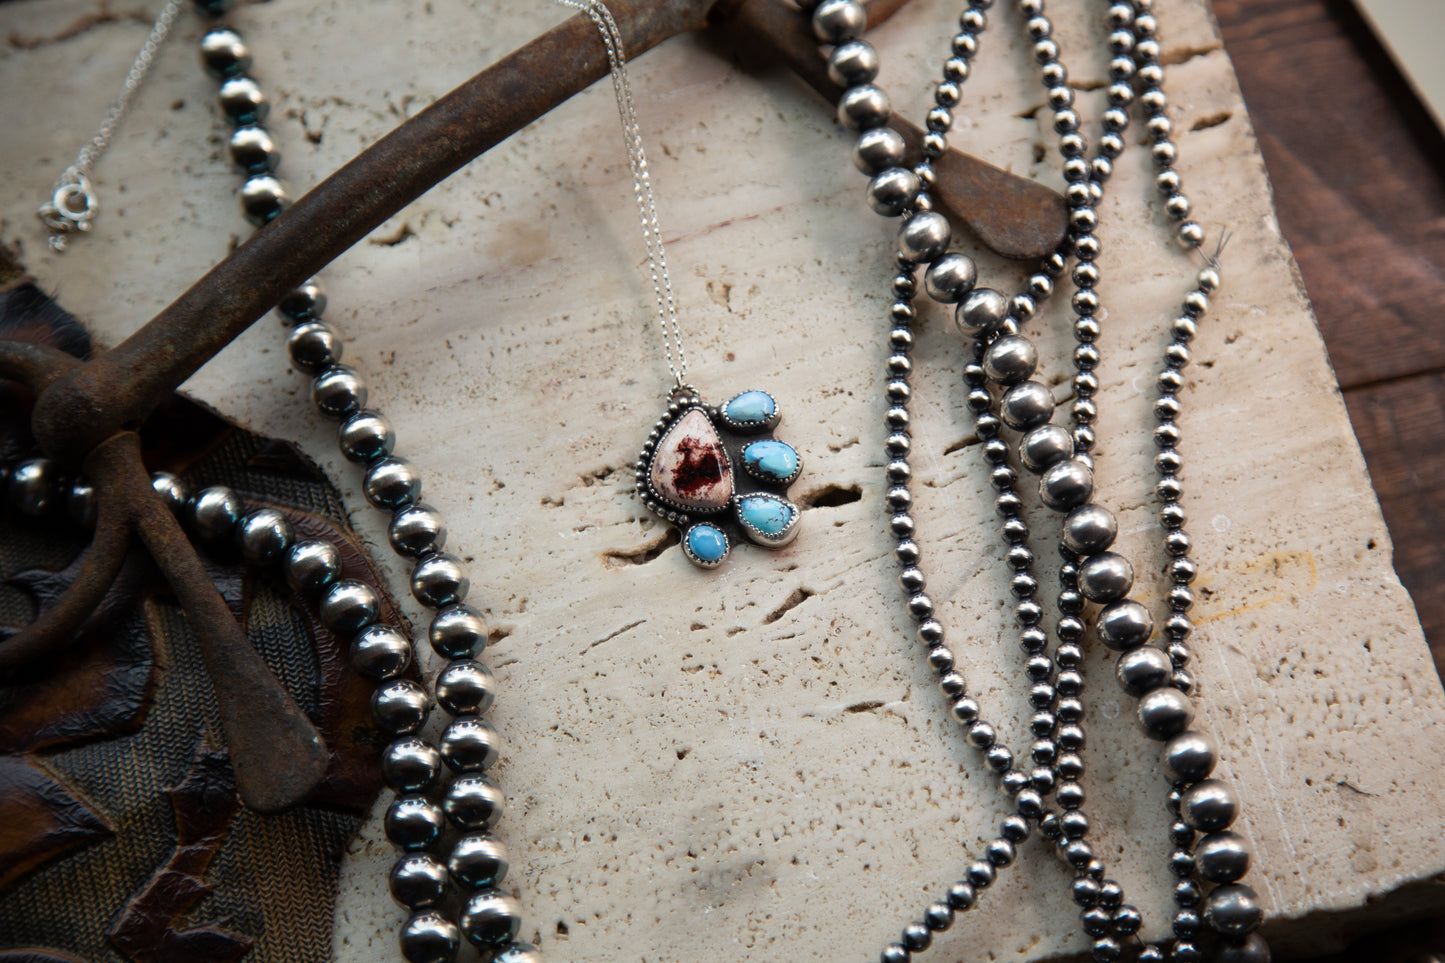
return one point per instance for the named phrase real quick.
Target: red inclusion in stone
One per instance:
(690, 467)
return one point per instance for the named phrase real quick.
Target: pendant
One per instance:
(706, 469)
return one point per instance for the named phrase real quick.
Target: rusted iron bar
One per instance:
(122, 386)
(277, 754)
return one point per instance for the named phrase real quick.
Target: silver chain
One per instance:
(72, 206)
(641, 187)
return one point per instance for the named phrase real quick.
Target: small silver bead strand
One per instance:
(464, 688)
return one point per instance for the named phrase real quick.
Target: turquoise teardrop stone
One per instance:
(706, 543)
(769, 514)
(751, 408)
(770, 460)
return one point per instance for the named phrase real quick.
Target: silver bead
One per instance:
(1107, 577)
(338, 392)
(853, 63)
(466, 688)
(1010, 359)
(949, 279)
(1066, 485)
(1233, 910)
(1164, 713)
(1143, 670)
(439, 580)
(391, 483)
(983, 310)
(1026, 405)
(213, 513)
(380, 652)
(430, 937)
(1190, 235)
(470, 744)
(349, 606)
(1190, 757)
(400, 707)
(264, 536)
(365, 437)
(416, 530)
(1253, 949)
(81, 504)
(516, 952)
(478, 861)
(418, 880)
(314, 346)
(172, 490)
(413, 822)
(1222, 857)
(410, 765)
(253, 150)
(924, 237)
(242, 101)
(490, 918)
(458, 632)
(34, 486)
(892, 190)
(263, 197)
(306, 303)
(1044, 447)
(1090, 529)
(473, 802)
(863, 107)
(311, 567)
(1124, 625)
(838, 21)
(879, 149)
(224, 54)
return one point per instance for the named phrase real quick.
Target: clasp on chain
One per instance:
(70, 209)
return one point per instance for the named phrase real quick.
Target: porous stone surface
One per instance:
(754, 763)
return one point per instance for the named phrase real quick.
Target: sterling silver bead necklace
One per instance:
(1006, 360)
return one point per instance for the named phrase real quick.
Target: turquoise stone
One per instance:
(706, 544)
(751, 408)
(769, 514)
(772, 461)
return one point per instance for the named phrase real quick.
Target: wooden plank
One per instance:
(1360, 198)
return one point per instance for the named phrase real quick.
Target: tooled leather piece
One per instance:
(40, 819)
(148, 931)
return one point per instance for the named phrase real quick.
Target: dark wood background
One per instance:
(1358, 169)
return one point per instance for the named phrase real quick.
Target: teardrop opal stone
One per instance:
(690, 467)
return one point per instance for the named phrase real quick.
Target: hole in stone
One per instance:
(1211, 120)
(831, 496)
(799, 596)
(643, 553)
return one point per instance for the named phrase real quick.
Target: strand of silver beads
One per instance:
(435, 784)
(1061, 457)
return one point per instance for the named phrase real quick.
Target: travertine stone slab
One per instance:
(754, 764)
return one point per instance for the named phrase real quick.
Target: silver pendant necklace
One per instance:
(703, 466)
